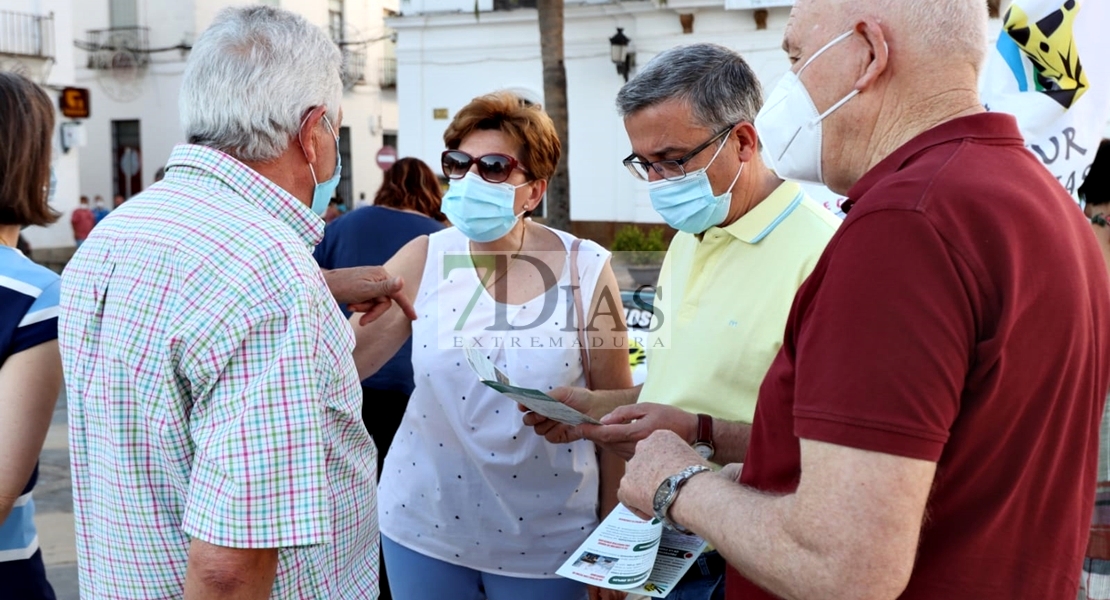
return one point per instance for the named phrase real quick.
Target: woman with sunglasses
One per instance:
(471, 504)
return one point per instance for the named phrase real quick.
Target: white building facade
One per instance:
(450, 51)
(36, 39)
(132, 57)
(447, 55)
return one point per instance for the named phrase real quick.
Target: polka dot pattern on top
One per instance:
(464, 471)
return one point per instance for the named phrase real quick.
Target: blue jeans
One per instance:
(414, 576)
(704, 581)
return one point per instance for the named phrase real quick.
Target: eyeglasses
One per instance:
(494, 168)
(671, 170)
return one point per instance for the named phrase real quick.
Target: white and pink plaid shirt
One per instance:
(212, 393)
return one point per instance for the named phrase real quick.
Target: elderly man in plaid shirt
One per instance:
(217, 443)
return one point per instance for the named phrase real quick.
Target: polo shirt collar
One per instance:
(990, 127)
(761, 220)
(251, 186)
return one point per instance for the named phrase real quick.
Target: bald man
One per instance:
(929, 428)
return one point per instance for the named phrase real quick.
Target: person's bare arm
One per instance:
(608, 335)
(368, 290)
(30, 382)
(219, 573)
(849, 531)
(376, 342)
(623, 428)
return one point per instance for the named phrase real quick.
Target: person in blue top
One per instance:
(99, 211)
(405, 207)
(30, 365)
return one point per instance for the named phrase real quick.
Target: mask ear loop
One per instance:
(720, 147)
(738, 171)
(300, 139)
(735, 179)
(851, 94)
(835, 41)
(833, 108)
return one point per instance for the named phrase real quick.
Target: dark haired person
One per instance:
(99, 210)
(1095, 196)
(82, 221)
(30, 366)
(688, 114)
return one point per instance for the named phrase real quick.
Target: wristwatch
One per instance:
(666, 493)
(703, 443)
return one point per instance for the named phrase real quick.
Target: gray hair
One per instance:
(719, 86)
(250, 79)
(939, 34)
(960, 26)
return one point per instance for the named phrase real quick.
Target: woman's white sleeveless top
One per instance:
(465, 481)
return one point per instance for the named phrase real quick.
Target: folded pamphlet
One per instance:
(628, 553)
(534, 400)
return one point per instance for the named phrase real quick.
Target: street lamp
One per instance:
(618, 46)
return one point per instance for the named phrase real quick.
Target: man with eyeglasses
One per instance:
(746, 242)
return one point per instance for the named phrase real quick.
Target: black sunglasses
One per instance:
(671, 170)
(494, 168)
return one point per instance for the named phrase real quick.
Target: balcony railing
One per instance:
(354, 64)
(389, 73)
(24, 34)
(118, 47)
(513, 4)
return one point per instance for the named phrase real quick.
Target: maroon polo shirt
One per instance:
(958, 316)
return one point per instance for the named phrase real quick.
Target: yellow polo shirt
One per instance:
(722, 304)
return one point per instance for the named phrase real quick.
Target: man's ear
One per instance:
(873, 34)
(748, 139)
(310, 129)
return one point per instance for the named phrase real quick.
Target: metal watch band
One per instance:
(675, 483)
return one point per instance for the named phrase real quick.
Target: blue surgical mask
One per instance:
(688, 204)
(481, 210)
(323, 192)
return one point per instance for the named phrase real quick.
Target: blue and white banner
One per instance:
(1051, 69)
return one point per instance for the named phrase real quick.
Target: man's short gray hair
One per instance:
(958, 26)
(939, 34)
(252, 76)
(719, 86)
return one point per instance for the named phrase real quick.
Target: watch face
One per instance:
(703, 450)
(664, 491)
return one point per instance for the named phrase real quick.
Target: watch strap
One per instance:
(705, 430)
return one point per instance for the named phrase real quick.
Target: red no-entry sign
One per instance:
(386, 157)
